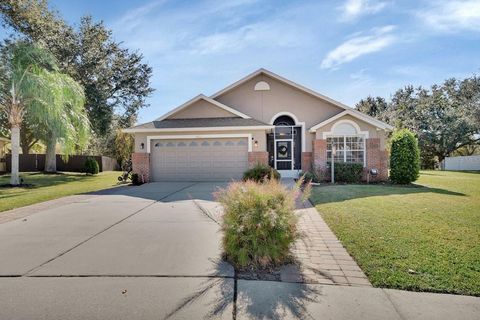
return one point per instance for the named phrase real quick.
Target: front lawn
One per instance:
(52, 186)
(424, 238)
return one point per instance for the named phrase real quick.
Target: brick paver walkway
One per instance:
(322, 257)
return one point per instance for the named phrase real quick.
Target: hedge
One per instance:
(404, 157)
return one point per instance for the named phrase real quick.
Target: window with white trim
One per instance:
(348, 149)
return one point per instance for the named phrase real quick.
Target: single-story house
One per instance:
(262, 118)
(3, 151)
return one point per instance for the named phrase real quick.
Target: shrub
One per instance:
(136, 179)
(260, 173)
(91, 166)
(348, 172)
(259, 223)
(314, 175)
(404, 157)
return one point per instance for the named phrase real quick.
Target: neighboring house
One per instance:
(3, 151)
(262, 118)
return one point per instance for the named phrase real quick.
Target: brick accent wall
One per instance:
(377, 159)
(307, 158)
(319, 160)
(141, 164)
(255, 157)
(320, 154)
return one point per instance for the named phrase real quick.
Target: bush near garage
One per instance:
(136, 179)
(404, 157)
(259, 224)
(91, 166)
(261, 173)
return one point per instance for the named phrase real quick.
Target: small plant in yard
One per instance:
(259, 224)
(261, 172)
(91, 166)
(404, 157)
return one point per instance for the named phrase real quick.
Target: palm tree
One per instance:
(32, 86)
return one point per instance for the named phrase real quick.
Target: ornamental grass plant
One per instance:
(259, 224)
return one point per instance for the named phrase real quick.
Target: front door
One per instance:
(284, 154)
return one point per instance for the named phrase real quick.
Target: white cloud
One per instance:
(274, 33)
(353, 9)
(453, 16)
(359, 46)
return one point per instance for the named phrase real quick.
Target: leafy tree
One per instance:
(375, 107)
(468, 150)
(445, 117)
(404, 157)
(124, 144)
(115, 80)
(32, 88)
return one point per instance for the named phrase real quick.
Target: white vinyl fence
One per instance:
(461, 163)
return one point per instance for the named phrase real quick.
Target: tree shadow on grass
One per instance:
(37, 180)
(339, 193)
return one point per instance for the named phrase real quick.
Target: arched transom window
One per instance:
(349, 143)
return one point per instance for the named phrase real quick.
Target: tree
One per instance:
(374, 107)
(404, 157)
(124, 144)
(33, 90)
(67, 121)
(445, 117)
(115, 80)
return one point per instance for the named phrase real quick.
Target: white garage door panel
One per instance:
(199, 159)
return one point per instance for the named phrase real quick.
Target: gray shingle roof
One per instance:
(200, 123)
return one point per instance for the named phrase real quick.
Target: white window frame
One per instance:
(344, 136)
(359, 134)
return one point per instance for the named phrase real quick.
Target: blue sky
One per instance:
(344, 49)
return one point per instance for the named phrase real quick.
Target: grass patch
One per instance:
(421, 238)
(52, 186)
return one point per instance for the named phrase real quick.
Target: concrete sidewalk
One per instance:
(129, 298)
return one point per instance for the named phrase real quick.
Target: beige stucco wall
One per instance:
(281, 97)
(257, 135)
(364, 126)
(201, 109)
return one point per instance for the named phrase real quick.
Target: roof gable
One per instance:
(283, 80)
(356, 114)
(224, 111)
(308, 91)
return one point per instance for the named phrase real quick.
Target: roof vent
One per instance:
(262, 86)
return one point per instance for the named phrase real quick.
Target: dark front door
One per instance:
(296, 149)
(284, 154)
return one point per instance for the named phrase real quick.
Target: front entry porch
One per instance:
(284, 147)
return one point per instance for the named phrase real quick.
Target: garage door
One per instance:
(199, 159)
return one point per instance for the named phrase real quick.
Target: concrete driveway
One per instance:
(150, 252)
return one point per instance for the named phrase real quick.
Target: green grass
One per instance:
(424, 238)
(52, 186)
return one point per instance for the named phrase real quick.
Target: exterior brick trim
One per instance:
(377, 159)
(141, 165)
(307, 161)
(255, 157)
(320, 154)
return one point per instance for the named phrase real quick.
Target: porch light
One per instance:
(142, 145)
(255, 143)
